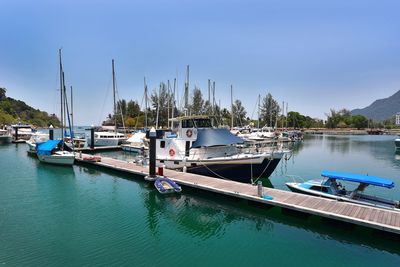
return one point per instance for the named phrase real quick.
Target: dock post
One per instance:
(51, 132)
(260, 192)
(152, 165)
(16, 134)
(92, 138)
(152, 155)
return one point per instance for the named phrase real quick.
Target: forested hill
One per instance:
(381, 109)
(14, 111)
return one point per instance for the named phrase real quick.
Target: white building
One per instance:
(398, 118)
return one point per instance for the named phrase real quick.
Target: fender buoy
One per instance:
(171, 152)
(189, 133)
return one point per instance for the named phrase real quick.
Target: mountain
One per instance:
(381, 109)
(14, 111)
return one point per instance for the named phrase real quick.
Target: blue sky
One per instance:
(315, 55)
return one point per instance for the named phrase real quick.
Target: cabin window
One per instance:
(187, 124)
(203, 123)
(162, 144)
(319, 188)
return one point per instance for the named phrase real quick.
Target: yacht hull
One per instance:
(57, 159)
(237, 171)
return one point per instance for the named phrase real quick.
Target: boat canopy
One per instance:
(46, 147)
(359, 178)
(207, 137)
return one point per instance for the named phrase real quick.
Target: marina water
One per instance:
(78, 216)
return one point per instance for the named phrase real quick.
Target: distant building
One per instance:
(398, 118)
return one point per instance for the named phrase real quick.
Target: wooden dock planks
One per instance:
(381, 219)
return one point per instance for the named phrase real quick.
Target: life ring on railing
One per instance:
(189, 133)
(171, 152)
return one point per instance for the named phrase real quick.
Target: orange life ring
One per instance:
(171, 152)
(189, 133)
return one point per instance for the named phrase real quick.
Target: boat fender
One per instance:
(189, 133)
(171, 152)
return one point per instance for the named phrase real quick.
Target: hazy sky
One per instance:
(313, 54)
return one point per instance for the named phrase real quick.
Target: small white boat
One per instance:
(137, 143)
(397, 143)
(53, 152)
(330, 188)
(5, 137)
(107, 139)
(36, 138)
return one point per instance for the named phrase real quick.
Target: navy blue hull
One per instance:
(237, 172)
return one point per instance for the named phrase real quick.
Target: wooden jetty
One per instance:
(376, 218)
(97, 149)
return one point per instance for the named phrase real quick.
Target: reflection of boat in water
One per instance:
(330, 188)
(164, 185)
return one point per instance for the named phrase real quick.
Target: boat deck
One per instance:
(376, 218)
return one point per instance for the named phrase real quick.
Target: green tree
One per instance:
(269, 110)
(197, 106)
(342, 117)
(239, 113)
(3, 93)
(359, 121)
(133, 109)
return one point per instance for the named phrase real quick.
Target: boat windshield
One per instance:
(197, 123)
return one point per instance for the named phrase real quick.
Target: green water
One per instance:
(60, 216)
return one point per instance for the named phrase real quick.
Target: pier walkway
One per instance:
(381, 219)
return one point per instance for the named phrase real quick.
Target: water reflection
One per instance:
(196, 215)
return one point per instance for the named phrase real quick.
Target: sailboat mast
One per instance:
(209, 88)
(158, 106)
(61, 96)
(173, 103)
(145, 103)
(187, 87)
(287, 104)
(115, 106)
(168, 103)
(72, 111)
(231, 107)
(258, 111)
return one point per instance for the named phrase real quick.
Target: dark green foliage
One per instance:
(269, 111)
(239, 114)
(296, 120)
(359, 121)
